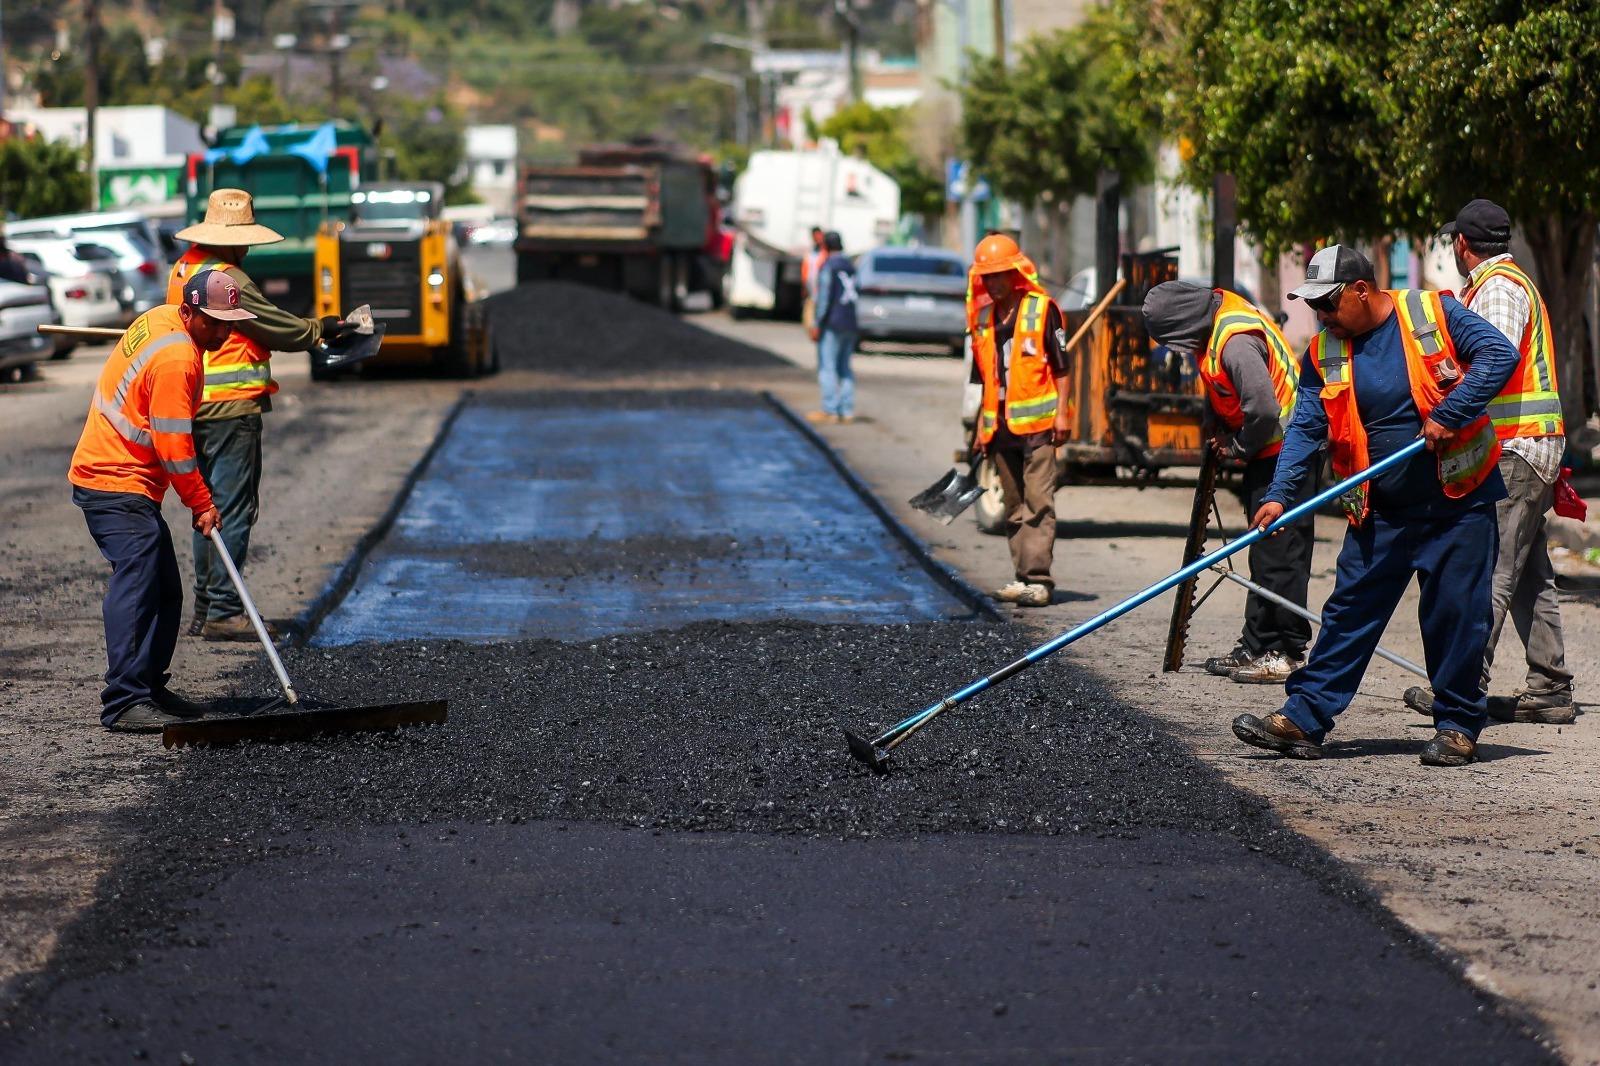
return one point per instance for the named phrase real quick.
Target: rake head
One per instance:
(866, 751)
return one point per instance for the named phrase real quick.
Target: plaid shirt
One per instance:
(1506, 307)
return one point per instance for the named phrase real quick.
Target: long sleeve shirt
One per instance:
(1506, 306)
(1245, 357)
(1391, 418)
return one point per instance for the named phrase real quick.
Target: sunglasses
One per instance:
(1328, 302)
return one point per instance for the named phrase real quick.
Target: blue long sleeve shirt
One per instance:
(1390, 415)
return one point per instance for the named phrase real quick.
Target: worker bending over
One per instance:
(238, 391)
(1019, 355)
(1390, 366)
(1250, 378)
(1527, 419)
(136, 442)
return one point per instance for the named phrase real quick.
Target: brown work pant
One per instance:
(1028, 485)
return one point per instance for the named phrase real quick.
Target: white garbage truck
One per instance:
(777, 200)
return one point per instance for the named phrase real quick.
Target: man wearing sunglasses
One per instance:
(1250, 377)
(1390, 366)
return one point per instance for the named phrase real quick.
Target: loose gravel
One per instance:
(581, 332)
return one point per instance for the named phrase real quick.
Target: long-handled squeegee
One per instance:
(875, 752)
(288, 718)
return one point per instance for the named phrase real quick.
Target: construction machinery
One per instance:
(640, 218)
(397, 255)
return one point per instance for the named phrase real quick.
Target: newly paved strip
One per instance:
(582, 514)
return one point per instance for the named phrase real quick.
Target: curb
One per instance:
(946, 576)
(306, 622)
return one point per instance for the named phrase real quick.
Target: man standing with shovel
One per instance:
(238, 391)
(1019, 354)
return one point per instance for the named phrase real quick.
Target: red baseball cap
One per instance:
(213, 292)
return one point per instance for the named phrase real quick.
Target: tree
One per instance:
(40, 177)
(1360, 121)
(881, 136)
(1501, 98)
(1043, 128)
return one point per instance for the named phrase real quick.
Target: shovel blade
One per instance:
(361, 347)
(299, 723)
(866, 751)
(949, 496)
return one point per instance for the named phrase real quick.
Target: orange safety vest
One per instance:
(1433, 369)
(1031, 398)
(1529, 405)
(138, 437)
(1236, 316)
(241, 369)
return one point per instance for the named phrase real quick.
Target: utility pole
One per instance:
(852, 36)
(2, 64)
(1225, 226)
(999, 9)
(91, 92)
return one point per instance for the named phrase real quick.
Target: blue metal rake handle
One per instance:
(892, 736)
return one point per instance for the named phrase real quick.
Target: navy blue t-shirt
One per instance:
(836, 295)
(1383, 400)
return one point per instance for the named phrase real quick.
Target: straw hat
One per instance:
(230, 223)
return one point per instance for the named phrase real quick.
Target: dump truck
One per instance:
(637, 218)
(398, 256)
(300, 177)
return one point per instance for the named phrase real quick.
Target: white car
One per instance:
(83, 281)
(24, 308)
(128, 235)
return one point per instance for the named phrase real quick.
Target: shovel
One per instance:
(286, 717)
(875, 752)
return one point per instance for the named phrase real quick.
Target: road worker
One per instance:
(138, 440)
(1390, 366)
(1019, 356)
(810, 270)
(1250, 377)
(238, 391)
(1527, 419)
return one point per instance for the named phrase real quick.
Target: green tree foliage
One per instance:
(881, 135)
(1358, 121)
(426, 136)
(1042, 128)
(39, 177)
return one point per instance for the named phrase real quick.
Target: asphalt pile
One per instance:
(578, 331)
(714, 726)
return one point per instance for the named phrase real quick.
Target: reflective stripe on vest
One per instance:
(1464, 462)
(1529, 405)
(1236, 317)
(1031, 400)
(241, 369)
(112, 409)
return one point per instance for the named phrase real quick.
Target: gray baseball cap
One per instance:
(1332, 267)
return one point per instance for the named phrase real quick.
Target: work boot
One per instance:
(1543, 708)
(1273, 668)
(1010, 593)
(1034, 596)
(1449, 748)
(197, 622)
(818, 416)
(1420, 699)
(175, 705)
(235, 627)
(142, 718)
(1223, 665)
(1276, 733)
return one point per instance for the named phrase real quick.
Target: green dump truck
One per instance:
(300, 177)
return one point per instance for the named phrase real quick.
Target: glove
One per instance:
(336, 330)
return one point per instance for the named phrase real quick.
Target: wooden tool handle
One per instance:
(1099, 309)
(83, 331)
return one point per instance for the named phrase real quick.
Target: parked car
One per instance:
(912, 294)
(83, 281)
(23, 308)
(132, 238)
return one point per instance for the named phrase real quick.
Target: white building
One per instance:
(490, 160)
(139, 151)
(823, 88)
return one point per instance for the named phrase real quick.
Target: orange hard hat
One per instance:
(998, 253)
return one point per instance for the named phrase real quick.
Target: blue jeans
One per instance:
(229, 450)
(834, 349)
(144, 601)
(1453, 559)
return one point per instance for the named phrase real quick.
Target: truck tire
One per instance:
(457, 359)
(990, 508)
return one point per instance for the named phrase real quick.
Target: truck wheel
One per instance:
(990, 508)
